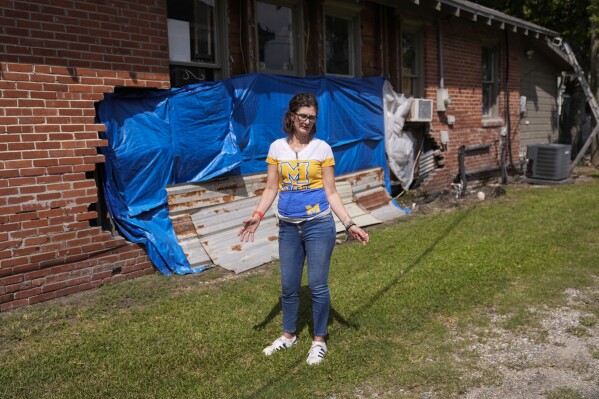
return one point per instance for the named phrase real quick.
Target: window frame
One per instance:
(296, 42)
(493, 83)
(419, 59)
(352, 14)
(220, 67)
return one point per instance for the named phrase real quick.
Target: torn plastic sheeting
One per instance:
(192, 134)
(399, 145)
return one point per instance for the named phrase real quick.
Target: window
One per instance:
(412, 84)
(490, 89)
(341, 39)
(276, 27)
(196, 40)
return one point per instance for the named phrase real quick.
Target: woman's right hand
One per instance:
(359, 234)
(246, 232)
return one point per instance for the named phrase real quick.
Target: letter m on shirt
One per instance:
(295, 175)
(312, 210)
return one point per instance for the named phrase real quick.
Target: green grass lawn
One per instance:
(394, 303)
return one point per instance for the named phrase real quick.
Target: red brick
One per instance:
(13, 304)
(19, 67)
(42, 297)
(4, 245)
(14, 279)
(35, 275)
(101, 275)
(54, 286)
(27, 293)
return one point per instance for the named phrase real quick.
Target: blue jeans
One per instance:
(313, 240)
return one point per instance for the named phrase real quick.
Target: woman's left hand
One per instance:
(358, 234)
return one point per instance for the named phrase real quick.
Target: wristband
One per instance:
(260, 214)
(349, 226)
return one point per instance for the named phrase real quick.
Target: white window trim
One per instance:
(351, 13)
(494, 110)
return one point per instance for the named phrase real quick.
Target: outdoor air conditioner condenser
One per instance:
(548, 161)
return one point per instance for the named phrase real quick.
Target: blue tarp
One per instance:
(195, 133)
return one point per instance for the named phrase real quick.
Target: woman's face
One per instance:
(303, 120)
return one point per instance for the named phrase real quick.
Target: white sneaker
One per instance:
(316, 352)
(280, 344)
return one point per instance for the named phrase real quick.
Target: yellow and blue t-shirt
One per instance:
(301, 189)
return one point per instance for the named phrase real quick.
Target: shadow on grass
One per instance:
(405, 271)
(368, 304)
(304, 317)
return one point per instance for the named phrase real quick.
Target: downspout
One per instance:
(507, 105)
(441, 73)
(505, 132)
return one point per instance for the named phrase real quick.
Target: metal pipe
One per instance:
(462, 165)
(507, 106)
(441, 72)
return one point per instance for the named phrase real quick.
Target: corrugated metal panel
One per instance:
(364, 179)
(368, 187)
(357, 213)
(227, 251)
(218, 225)
(426, 164)
(373, 198)
(185, 197)
(378, 202)
(195, 252)
(345, 191)
(208, 215)
(212, 219)
(183, 225)
(387, 212)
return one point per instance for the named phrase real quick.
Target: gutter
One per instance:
(477, 13)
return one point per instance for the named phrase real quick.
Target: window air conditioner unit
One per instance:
(548, 161)
(421, 110)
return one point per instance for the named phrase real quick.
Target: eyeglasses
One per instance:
(304, 117)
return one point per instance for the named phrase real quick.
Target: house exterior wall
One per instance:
(539, 124)
(462, 43)
(60, 57)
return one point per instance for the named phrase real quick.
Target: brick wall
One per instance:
(462, 43)
(58, 59)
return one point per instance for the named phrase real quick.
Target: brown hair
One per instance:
(298, 101)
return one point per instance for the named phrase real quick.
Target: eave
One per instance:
(476, 13)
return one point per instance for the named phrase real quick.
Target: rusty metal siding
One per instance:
(185, 197)
(358, 214)
(225, 249)
(207, 216)
(369, 192)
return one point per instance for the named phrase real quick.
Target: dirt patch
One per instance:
(481, 191)
(565, 364)
(557, 360)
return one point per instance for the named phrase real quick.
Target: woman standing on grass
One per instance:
(301, 170)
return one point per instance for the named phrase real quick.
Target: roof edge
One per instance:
(477, 12)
